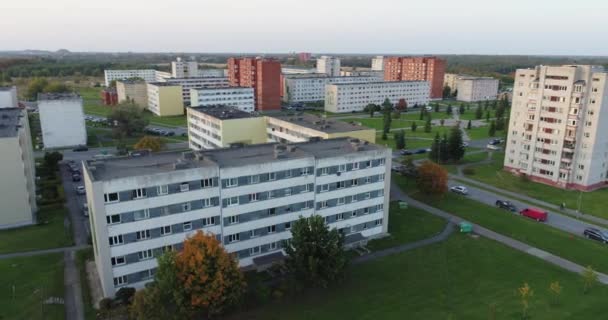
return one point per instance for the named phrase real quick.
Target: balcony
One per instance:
(571, 139)
(569, 147)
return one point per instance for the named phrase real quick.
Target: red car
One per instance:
(536, 214)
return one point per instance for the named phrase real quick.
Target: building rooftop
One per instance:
(7, 88)
(194, 78)
(375, 82)
(320, 124)
(165, 84)
(58, 96)
(116, 168)
(9, 121)
(223, 112)
(219, 88)
(132, 81)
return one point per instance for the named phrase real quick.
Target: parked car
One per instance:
(406, 152)
(460, 190)
(80, 148)
(429, 109)
(76, 177)
(503, 204)
(398, 168)
(492, 147)
(139, 153)
(536, 214)
(80, 190)
(85, 209)
(495, 141)
(596, 234)
(420, 151)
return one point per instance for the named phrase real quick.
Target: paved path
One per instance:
(42, 252)
(74, 308)
(397, 194)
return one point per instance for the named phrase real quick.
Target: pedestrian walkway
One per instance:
(398, 194)
(461, 125)
(41, 252)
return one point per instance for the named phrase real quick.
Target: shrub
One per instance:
(125, 295)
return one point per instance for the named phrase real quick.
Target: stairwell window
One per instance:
(138, 193)
(117, 261)
(113, 219)
(162, 190)
(145, 255)
(120, 281)
(207, 183)
(115, 240)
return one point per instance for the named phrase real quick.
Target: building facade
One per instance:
(471, 89)
(558, 131)
(62, 120)
(132, 91)
(378, 63)
(304, 56)
(148, 75)
(237, 97)
(109, 97)
(451, 80)
(248, 197)
(329, 66)
(17, 186)
(165, 99)
(184, 69)
(349, 97)
(305, 127)
(8, 97)
(196, 83)
(310, 89)
(261, 74)
(431, 69)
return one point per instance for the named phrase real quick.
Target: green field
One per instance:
(457, 279)
(51, 233)
(26, 282)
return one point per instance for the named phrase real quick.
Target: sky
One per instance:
(544, 27)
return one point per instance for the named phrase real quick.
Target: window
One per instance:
(117, 261)
(113, 219)
(324, 171)
(141, 214)
(354, 198)
(353, 214)
(253, 197)
(233, 219)
(142, 235)
(272, 176)
(341, 201)
(381, 177)
(234, 237)
(340, 184)
(324, 187)
(287, 225)
(207, 183)
(306, 188)
(232, 182)
(162, 190)
(232, 201)
(342, 168)
(146, 274)
(288, 174)
(252, 234)
(186, 206)
(287, 192)
(120, 281)
(340, 216)
(255, 251)
(272, 246)
(183, 187)
(206, 203)
(145, 255)
(187, 226)
(167, 248)
(354, 182)
(356, 166)
(110, 197)
(368, 164)
(378, 222)
(272, 229)
(115, 240)
(368, 179)
(381, 162)
(138, 193)
(165, 230)
(367, 195)
(209, 221)
(254, 179)
(323, 204)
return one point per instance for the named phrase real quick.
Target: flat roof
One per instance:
(116, 168)
(131, 81)
(220, 88)
(223, 112)
(196, 78)
(7, 88)
(165, 84)
(58, 96)
(9, 121)
(319, 123)
(375, 82)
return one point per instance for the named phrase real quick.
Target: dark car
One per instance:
(406, 152)
(76, 177)
(596, 234)
(495, 142)
(503, 204)
(420, 151)
(80, 148)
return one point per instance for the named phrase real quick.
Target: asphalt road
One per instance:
(74, 203)
(554, 219)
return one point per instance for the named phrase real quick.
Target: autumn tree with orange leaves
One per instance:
(432, 179)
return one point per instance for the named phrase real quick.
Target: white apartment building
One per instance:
(237, 97)
(17, 186)
(8, 97)
(61, 120)
(329, 65)
(309, 89)
(297, 70)
(378, 63)
(184, 69)
(213, 73)
(196, 83)
(135, 91)
(472, 89)
(558, 133)
(148, 75)
(349, 97)
(248, 197)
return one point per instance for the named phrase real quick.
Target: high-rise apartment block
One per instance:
(431, 69)
(17, 186)
(61, 120)
(471, 89)
(165, 99)
(558, 131)
(8, 97)
(378, 63)
(329, 66)
(196, 83)
(261, 74)
(184, 69)
(248, 197)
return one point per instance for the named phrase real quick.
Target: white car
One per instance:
(460, 190)
(429, 109)
(80, 190)
(492, 147)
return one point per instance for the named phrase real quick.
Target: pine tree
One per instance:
(486, 105)
(461, 109)
(427, 126)
(400, 140)
(469, 126)
(434, 154)
(478, 113)
(422, 112)
(387, 108)
(414, 126)
(500, 124)
(455, 144)
(488, 116)
(449, 110)
(444, 152)
(492, 130)
(436, 107)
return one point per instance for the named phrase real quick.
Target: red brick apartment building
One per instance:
(431, 69)
(261, 74)
(109, 97)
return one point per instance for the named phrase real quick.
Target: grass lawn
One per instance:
(457, 279)
(81, 257)
(37, 237)
(102, 137)
(408, 225)
(377, 123)
(28, 281)
(468, 158)
(591, 202)
(560, 243)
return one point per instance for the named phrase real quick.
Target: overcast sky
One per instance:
(554, 27)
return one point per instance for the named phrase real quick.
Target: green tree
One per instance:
(400, 139)
(414, 126)
(478, 113)
(446, 92)
(397, 114)
(469, 125)
(500, 124)
(129, 119)
(487, 116)
(449, 110)
(384, 136)
(434, 154)
(492, 129)
(427, 126)
(455, 144)
(461, 109)
(422, 113)
(387, 108)
(51, 160)
(56, 87)
(35, 86)
(371, 108)
(486, 105)
(315, 253)
(444, 151)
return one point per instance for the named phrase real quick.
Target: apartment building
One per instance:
(558, 132)
(472, 89)
(297, 70)
(349, 97)
(184, 69)
(17, 186)
(312, 88)
(304, 56)
(248, 197)
(261, 74)
(237, 97)
(329, 66)
(148, 75)
(431, 69)
(135, 91)
(109, 96)
(196, 83)
(165, 99)
(451, 80)
(61, 120)
(8, 97)
(378, 63)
